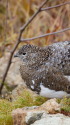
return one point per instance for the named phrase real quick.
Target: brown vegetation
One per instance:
(46, 22)
(14, 14)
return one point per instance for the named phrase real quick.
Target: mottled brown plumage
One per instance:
(45, 68)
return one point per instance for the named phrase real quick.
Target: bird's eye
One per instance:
(24, 53)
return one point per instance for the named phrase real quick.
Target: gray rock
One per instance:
(32, 117)
(39, 115)
(55, 119)
(13, 77)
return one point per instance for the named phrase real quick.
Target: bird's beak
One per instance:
(16, 55)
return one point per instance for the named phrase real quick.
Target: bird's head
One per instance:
(28, 53)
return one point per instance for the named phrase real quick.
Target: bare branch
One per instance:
(43, 9)
(20, 34)
(19, 38)
(53, 33)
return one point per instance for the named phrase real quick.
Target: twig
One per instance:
(53, 33)
(19, 38)
(43, 9)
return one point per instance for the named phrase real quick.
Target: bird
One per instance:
(46, 70)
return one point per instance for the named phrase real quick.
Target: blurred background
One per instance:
(15, 13)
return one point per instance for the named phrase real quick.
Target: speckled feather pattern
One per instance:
(47, 66)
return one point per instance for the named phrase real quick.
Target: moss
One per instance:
(25, 99)
(40, 100)
(5, 112)
(6, 120)
(65, 104)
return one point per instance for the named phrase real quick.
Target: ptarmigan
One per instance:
(46, 70)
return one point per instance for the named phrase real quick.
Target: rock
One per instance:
(34, 116)
(13, 77)
(39, 115)
(26, 116)
(19, 117)
(51, 106)
(55, 119)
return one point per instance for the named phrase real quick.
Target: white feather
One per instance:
(68, 77)
(46, 92)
